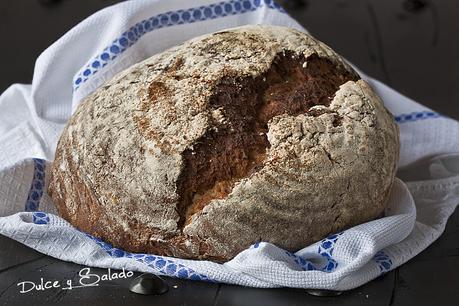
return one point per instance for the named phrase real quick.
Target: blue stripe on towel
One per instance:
(383, 261)
(415, 116)
(161, 264)
(36, 188)
(168, 19)
(40, 218)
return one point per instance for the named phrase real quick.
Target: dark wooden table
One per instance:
(410, 45)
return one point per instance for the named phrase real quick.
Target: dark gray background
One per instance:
(411, 45)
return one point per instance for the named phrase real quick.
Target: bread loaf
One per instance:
(257, 133)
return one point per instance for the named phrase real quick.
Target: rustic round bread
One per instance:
(257, 133)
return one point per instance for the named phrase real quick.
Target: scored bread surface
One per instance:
(119, 167)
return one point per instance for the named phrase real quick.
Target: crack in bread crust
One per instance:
(236, 148)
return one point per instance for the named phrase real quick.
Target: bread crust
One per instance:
(121, 155)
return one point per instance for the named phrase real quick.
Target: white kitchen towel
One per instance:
(33, 116)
